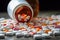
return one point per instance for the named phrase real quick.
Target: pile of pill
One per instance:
(37, 27)
(23, 17)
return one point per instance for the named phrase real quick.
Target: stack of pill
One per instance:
(23, 17)
(38, 27)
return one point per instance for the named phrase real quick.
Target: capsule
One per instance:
(5, 30)
(57, 32)
(37, 37)
(2, 36)
(18, 35)
(32, 33)
(1, 32)
(2, 19)
(9, 34)
(46, 36)
(14, 32)
(25, 33)
(27, 36)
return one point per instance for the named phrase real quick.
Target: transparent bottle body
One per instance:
(35, 5)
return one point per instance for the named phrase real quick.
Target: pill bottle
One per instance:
(27, 8)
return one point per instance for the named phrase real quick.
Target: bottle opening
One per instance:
(23, 14)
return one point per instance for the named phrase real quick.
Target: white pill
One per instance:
(44, 34)
(14, 31)
(2, 36)
(50, 32)
(24, 32)
(1, 32)
(10, 30)
(2, 19)
(18, 35)
(9, 33)
(37, 35)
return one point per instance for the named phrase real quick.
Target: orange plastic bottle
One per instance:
(35, 5)
(23, 10)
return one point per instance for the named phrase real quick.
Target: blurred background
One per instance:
(45, 5)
